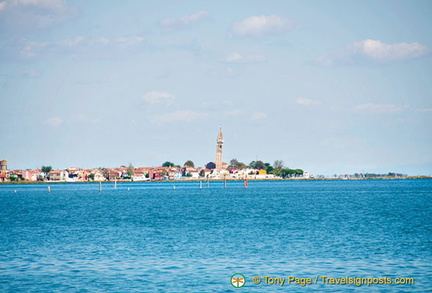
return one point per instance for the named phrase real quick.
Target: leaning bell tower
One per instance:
(219, 143)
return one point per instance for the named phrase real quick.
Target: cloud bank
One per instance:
(184, 21)
(54, 122)
(381, 52)
(78, 45)
(307, 102)
(378, 108)
(258, 26)
(158, 97)
(374, 51)
(238, 58)
(30, 15)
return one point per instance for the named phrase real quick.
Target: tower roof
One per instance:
(220, 136)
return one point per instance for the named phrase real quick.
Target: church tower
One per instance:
(219, 143)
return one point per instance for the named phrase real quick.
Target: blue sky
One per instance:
(326, 86)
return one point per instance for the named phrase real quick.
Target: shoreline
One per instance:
(218, 180)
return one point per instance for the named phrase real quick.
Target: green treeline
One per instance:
(277, 168)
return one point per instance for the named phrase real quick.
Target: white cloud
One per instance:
(180, 115)
(54, 122)
(378, 108)
(381, 52)
(80, 45)
(238, 58)
(307, 102)
(31, 49)
(424, 110)
(124, 42)
(257, 26)
(259, 115)
(223, 72)
(28, 15)
(375, 51)
(70, 42)
(183, 21)
(116, 42)
(83, 118)
(235, 112)
(158, 97)
(53, 5)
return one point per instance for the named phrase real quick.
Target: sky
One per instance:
(330, 87)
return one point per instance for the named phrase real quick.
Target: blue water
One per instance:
(149, 237)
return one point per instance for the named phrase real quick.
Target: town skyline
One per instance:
(330, 87)
(168, 171)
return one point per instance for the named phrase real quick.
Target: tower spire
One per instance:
(220, 136)
(219, 143)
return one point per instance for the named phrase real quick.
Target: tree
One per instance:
(278, 165)
(236, 164)
(105, 172)
(270, 170)
(168, 164)
(130, 170)
(92, 176)
(202, 173)
(287, 172)
(189, 163)
(46, 169)
(258, 165)
(298, 171)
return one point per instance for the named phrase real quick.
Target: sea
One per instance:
(274, 236)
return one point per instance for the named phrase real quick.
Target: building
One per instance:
(3, 166)
(58, 175)
(31, 175)
(219, 150)
(218, 166)
(210, 166)
(4, 174)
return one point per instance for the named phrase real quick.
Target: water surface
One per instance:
(149, 237)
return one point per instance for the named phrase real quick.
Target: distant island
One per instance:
(167, 171)
(256, 170)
